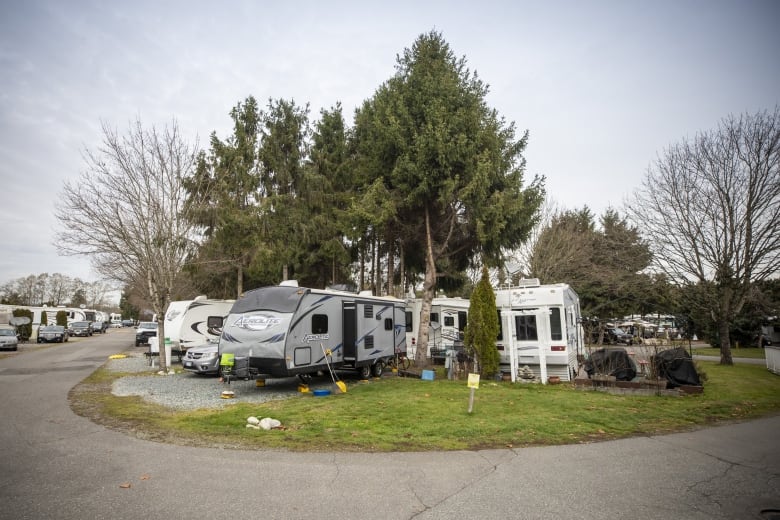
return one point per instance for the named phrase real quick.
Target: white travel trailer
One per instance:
(73, 314)
(174, 316)
(285, 330)
(186, 322)
(194, 327)
(541, 328)
(448, 321)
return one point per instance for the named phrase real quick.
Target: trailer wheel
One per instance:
(377, 369)
(364, 372)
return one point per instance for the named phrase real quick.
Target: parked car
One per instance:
(203, 359)
(8, 339)
(81, 328)
(127, 323)
(618, 335)
(53, 334)
(99, 327)
(145, 330)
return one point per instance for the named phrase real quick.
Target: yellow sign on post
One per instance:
(472, 383)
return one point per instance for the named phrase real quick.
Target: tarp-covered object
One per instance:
(614, 362)
(676, 366)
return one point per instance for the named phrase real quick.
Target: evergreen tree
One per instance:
(62, 318)
(284, 215)
(25, 331)
(328, 188)
(453, 166)
(226, 185)
(483, 326)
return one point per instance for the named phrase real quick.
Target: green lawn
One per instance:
(752, 353)
(404, 414)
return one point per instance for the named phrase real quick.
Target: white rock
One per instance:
(267, 423)
(253, 420)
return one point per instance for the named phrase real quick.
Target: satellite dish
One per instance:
(19, 320)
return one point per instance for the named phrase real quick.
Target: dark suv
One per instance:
(145, 330)
(99, 327)
(618, 335)
(81, 328)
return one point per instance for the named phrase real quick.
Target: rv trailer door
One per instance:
(349, 320)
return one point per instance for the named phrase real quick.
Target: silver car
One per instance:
(8, 339)
(202, 360)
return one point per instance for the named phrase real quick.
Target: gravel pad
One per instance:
(186, 391)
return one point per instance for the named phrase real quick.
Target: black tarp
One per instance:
(676, 366)
(614, 362)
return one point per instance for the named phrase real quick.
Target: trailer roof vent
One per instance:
(528, 282)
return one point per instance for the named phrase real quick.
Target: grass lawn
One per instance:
(752, 353)
(404, 414)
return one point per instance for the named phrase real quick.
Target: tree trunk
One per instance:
(725, 342)
(156, 299)
(164, 361)
(239, 281)
(429, 287)
(376, 271)
(390, 272)
(402, 270)
(362, 253)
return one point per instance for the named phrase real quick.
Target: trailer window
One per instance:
(435, 317)
(409, 322)
(449, 321)
(556, 330)
(526, 328)
(388, 323)
(319, 323)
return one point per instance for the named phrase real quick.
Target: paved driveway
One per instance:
(55, 464)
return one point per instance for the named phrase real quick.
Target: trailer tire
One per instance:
(377, 369)
(364, 372)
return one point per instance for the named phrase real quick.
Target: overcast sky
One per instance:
(603, 87)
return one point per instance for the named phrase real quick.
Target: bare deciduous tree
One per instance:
(519, 260)
(564, 249)
(710, 209)
(132, 195)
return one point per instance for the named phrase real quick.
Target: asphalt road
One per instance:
(57, 465)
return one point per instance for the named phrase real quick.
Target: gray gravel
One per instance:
(187, 391)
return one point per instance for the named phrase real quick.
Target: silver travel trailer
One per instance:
(541, 328)
(285, 330)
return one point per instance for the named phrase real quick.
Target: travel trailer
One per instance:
(448, 321)
(194, 327)
(286, 330)
(174, 315)
(540, 328)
